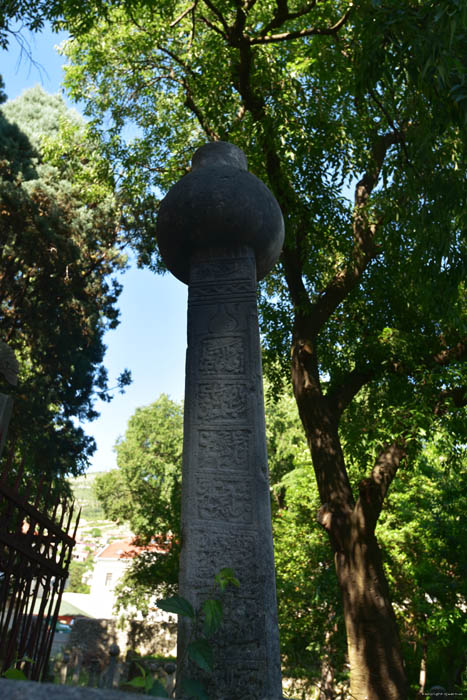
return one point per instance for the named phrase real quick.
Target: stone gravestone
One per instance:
(219, 230)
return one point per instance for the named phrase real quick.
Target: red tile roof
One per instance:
(127, 548)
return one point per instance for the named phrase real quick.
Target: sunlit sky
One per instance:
(151, 337)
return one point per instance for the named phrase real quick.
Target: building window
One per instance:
(108, 579)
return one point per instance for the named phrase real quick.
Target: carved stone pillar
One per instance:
(218, 228)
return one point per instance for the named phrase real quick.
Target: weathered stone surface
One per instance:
(226, 520)
(91, 638)
(219, 204)
(219, 228)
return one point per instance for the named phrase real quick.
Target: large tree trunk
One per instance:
(375, 655)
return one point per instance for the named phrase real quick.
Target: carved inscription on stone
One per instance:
(234, 678)
(215, 549)
(215, 291)
(219, 270)
(223, 498)
(242, 680)
(224, 449)
(225, 319)
(242, 617)
(246, 624)
(222, 356)
(219, 401)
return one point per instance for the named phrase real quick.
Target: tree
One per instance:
(59, 247)
(77, 570)
(145, 492)
(324, 98)
(310, 614)
(17, 15)
(421, 534)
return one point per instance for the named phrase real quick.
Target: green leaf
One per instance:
(158, 690)
(138, 682)
(194, 689)
(15, 674)
(213, 616)
(177, 605)
(226, 576)
(201, 653)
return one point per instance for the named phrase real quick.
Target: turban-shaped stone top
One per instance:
(219, 204)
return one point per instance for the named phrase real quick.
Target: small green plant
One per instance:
(16, 674)
(206, 621)
(149, 685)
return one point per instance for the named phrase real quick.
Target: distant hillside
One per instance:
(86, 498)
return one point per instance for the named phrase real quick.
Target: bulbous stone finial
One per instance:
(219, 205)
(219, 153)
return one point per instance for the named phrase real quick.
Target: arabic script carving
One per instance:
(222, 356)
(219, 401)
(224, 498)
(224, 449)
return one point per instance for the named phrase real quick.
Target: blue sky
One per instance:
(151, 337)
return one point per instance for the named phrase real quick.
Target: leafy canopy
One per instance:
(354, 114)
(376, 104)
(59, 248)
(145, 492)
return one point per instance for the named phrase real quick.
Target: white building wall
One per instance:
(105, 576)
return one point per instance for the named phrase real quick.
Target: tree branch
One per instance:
(248, 4)
(364, 249)
(219, 16)
(293, 273)
(458, 352)
(374, 489)
(177, 59)
(311, 31)
(291, 254)
(282, 14)
(136, 23)
(193, 107)
(213, 26)
(458, 396)
(183, 14)
(393, 125)
(340, 396)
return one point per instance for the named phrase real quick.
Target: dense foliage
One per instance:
(59, 247)
(310, 613)
(421, 531)
(17, 15)
(145, 492)
(78, 576)
(354, 114)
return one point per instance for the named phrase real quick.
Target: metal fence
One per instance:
(35, 552)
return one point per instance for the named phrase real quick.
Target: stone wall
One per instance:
(91, 638)
(155, 639)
